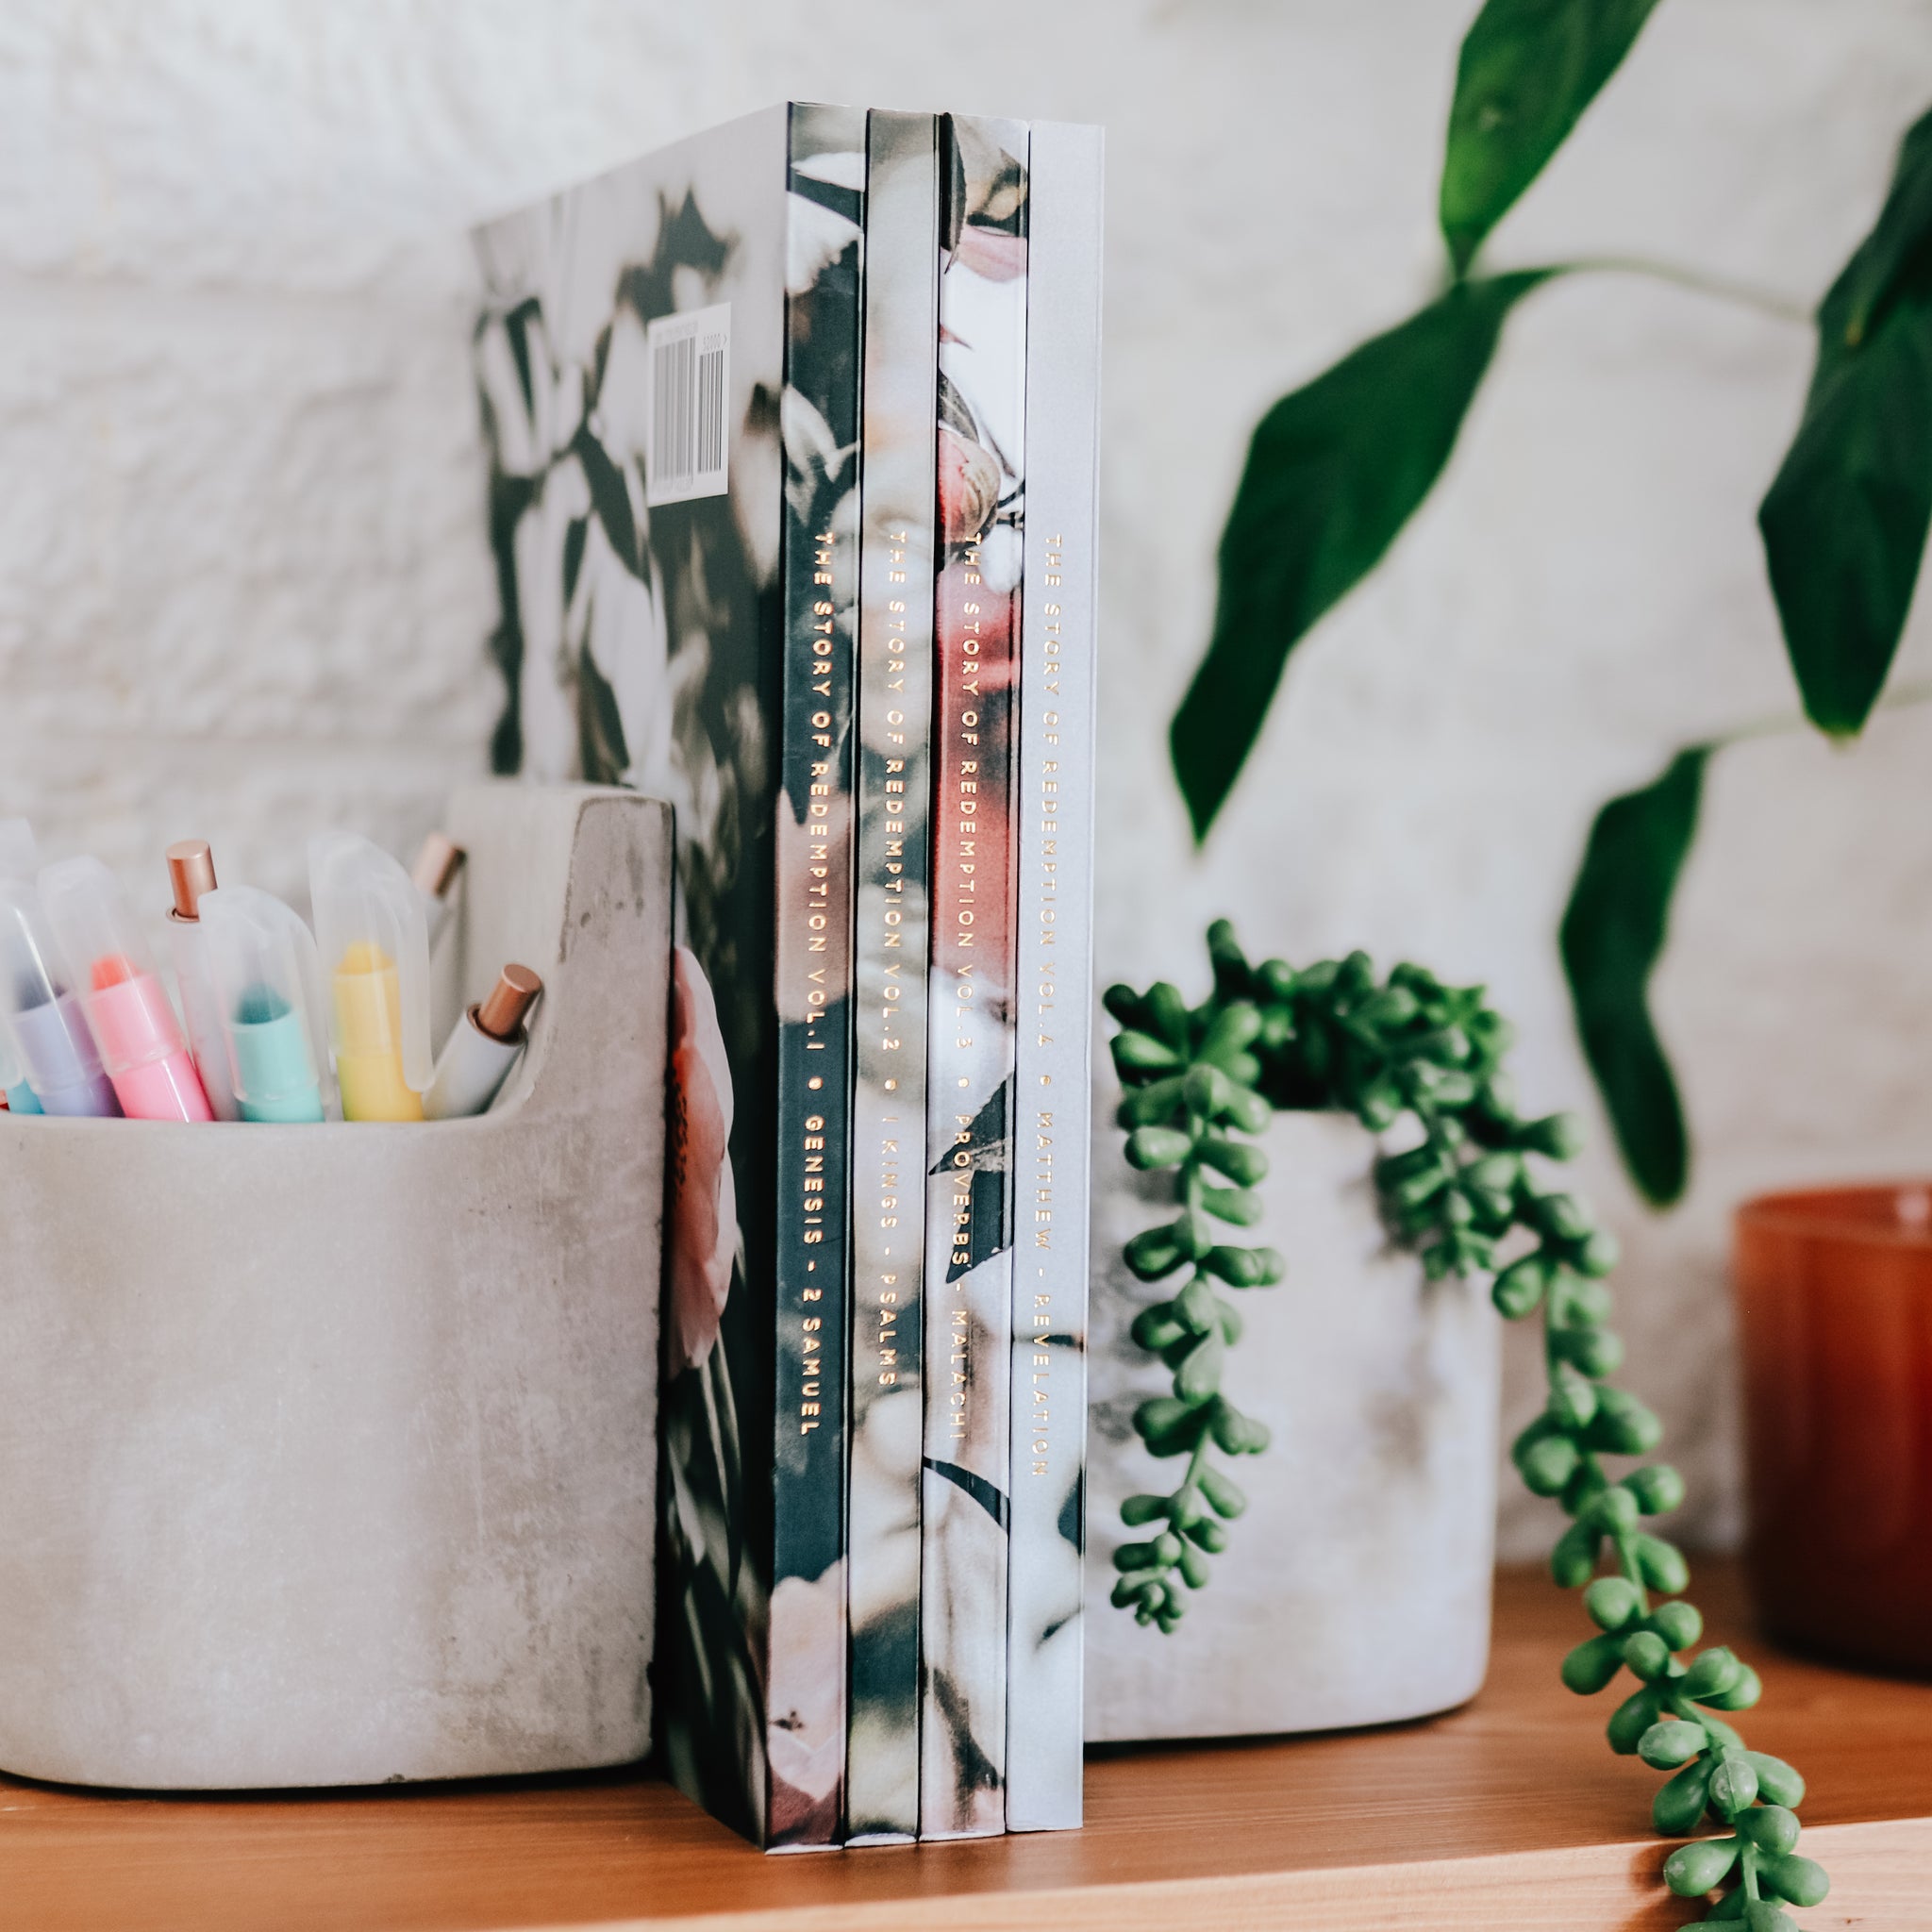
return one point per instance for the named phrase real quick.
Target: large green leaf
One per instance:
(1897, 240)
(1528, 70)
(1846, 522)
(1613, 931)
(1334, 472)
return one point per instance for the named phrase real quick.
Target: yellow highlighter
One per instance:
(373, 934)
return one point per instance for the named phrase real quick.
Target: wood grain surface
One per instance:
(1510, 1813)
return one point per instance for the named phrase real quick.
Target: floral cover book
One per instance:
(669, 360)
(889, 1094)
(969, 1257)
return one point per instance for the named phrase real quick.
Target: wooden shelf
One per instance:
(1510, 1813)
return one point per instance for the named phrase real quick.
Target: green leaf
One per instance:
(1896, 243)
(1701, 1866)
(1613, 930)
(1845, 521)
(1528, 70)
(1334, 472)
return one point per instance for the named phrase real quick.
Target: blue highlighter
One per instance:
(47, 1057)
(267, 983)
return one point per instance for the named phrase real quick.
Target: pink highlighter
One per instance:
(140, 1040)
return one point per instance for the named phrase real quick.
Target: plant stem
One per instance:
(1719, 287)
(1786, 723)
(1631, 1571)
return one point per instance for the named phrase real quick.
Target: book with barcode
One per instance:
(969, 1250)
(1054, 899)
(896, 629)
(670, 364)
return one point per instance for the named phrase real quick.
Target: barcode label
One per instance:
(691, 382)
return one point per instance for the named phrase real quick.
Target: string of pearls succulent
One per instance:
(1420, 1064)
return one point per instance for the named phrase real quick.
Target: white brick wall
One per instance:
(243, 591)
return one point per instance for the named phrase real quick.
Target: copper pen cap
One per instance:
(437, 865)
(501, 1015)
(191, 873)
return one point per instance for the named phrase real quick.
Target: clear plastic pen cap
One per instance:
(105, 953)
(373, 934)
(30, 978)
(267, 980)
(17, 953)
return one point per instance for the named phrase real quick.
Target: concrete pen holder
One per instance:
(328, 1454)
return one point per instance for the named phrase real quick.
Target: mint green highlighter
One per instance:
(267, 982)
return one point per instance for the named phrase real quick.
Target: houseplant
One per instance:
(1337, 468)
(1420, 1065)
(1334, 472)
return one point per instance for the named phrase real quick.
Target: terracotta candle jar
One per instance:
(1834, 1316)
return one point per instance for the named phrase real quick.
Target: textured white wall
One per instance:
(243, 591)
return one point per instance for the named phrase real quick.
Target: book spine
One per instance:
(969, 1242)
(888, 1084)
(818, 417)
(1054, 927)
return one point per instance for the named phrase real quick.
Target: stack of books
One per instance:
(792, 433)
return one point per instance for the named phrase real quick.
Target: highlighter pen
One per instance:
(372, 930)
(482, 1048)
(17, 861)
(192, 873)
(50, 1062)
(434, 874)
(140, 1040)
(265, 982)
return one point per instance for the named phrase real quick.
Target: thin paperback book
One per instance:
(969, 1259)
(895, 630)
(667, 360)
(1051, 1076)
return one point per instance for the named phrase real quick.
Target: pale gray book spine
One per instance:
(1056, 996)
(969, 1225)
(898, 492)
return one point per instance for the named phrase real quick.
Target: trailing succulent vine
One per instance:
(1422, 1063)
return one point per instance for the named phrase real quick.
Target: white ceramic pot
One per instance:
(1355, 1587)
(328, 1453)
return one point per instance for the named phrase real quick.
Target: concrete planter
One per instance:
(328, 1454)
(1356, 1588)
